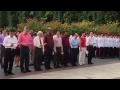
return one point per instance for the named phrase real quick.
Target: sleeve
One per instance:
(5, 43)
(87, 41)
(35, 42)
(20, 40)
(16, 42)
(54, 44)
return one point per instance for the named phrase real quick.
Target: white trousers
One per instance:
(82, 55)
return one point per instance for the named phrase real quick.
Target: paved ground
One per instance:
(101, 69)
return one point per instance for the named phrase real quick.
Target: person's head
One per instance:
(58, 33)
(83, 34)
(4, 32)
(17, 33)
(26, 29)
(66, 33)
(40, 33)
(12, 32)
(76, 35)
(91, 34)
(49, 30)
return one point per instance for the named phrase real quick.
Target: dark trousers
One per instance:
(117, 52)
(48, 56)
(111, 52)
(90, 54)
(8, 59)
(74, 52)
(98, 52)
(102, 52)
(106, 52)
(114, 52)
(37, 58)
(66, 55)
(94, 53)
(57, 57)
(24, 58)
(2, 55)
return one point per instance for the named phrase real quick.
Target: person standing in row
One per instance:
(90, 43)
(66, 48)
(2, 36)
(48, 37)
(74, 49)
(82, 49)
(24, 42)
(39, 50)
(10, 43)
(58, 50)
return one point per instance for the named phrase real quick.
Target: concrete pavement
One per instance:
(101, 69)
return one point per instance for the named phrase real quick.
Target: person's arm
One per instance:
(20, 40)
(35, 42)
(16, 42)
(54, 44)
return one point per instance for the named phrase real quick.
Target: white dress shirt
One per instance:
(96, 41)
(9, 40)
(37, 42)
(90, 41)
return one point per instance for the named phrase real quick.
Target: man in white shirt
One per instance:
(106, 46)
(39, 50)
(95, 45)
(90, 43)
(10, 43)
(117, 46)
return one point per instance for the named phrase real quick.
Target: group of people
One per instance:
(30, 48)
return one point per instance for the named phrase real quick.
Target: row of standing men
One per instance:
(62, 48)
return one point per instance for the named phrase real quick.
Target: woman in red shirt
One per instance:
(82, 49)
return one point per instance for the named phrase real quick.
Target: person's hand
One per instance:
(62, 52)
(12, 44)
(45, 43)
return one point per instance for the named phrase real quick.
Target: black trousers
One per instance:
(37, 58)
(101, 52)
(24, 58)
(114, 52)
(105, 52)
(74, 52)
(117, 52)
(2, 55)
(8, 59)
(48, 56)
(98, 52)
(90, 53)
(66, 55)
(57, 57)
(94, 53)
(111, 52)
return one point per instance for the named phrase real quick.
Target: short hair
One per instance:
(39, 32)
(26, 27)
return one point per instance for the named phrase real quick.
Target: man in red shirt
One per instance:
(24, 41)
(66, 48)
(48, 37)
(82, 49)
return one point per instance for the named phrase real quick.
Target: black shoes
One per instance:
(23, 71)
(90, 63)
(28, 70)
(6, 74)
(10, 73)
(38, 70)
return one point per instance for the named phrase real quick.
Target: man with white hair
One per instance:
(39, 50)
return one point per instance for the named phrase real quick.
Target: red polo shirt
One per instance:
(83, 41)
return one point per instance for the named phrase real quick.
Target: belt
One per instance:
(10, 48)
